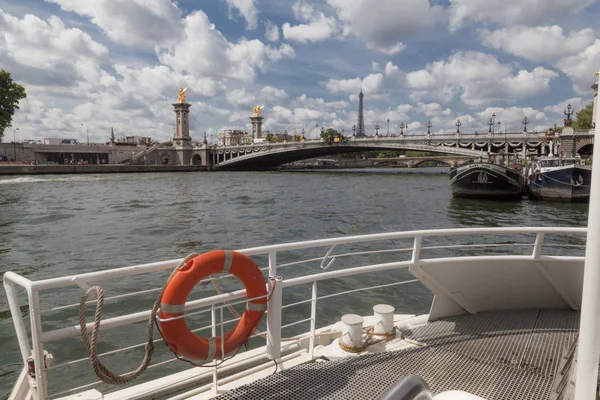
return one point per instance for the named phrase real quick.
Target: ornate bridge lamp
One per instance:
(458, 124)
(525, 122)
(499, 130)
(377, 130)
(429, 128)
(569, 112)
(494, 121)
(490, 124)
(402, 129)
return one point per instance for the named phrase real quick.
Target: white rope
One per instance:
(103, 373)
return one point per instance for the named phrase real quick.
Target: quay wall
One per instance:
(24, 169)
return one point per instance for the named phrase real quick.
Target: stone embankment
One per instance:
(25, 169)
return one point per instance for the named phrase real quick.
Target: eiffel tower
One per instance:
(360, 127)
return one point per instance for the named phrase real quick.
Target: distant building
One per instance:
(57, 141)
(134, 141)
(279, 136)
(234, 137)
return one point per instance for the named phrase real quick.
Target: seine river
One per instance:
(57, 225)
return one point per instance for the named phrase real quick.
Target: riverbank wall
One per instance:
(25, 169)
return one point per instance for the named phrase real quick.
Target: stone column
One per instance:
(256, 127)
(595, 87)
(182, 142)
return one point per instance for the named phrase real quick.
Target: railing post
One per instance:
(41, 391)
(537, 248)
(15, 311)
(213, 320)
(588, 352)
(313, 319)
(274, 311)
(416, 249)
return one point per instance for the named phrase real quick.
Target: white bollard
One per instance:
(352, 331)
(384, 319)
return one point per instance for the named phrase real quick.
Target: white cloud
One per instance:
(209, 109)
(239, 97)
(581, 67)
(512, 12)
(392, 71)
(270, 93)
(206, 52)
(45, 44)
(478, 78)
(247, 9)
(160, 81)
(372, 84)
(511, 117)
(542, 43)
(384, 24)
(307, 102)
(576, 102)
(412, 126)
(132, 22)
(280, 117)
(271, 31)
(375, 67)
(433, 109)
(243, 98)
(319, 26)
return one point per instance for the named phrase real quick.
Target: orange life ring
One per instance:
(176, 333)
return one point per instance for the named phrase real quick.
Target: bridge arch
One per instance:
(436, 161)
(585, 146)
(165, 158)
(196, 159)
(270, 156)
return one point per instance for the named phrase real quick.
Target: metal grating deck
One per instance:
(501, 355)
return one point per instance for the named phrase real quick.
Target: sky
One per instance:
(91, 65)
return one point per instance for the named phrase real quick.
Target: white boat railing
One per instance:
(32, 382)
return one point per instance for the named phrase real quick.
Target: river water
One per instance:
(57, 225)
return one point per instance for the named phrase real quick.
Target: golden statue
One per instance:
(181, 98)
(257, 111)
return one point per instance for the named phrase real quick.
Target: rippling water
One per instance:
(58, 225)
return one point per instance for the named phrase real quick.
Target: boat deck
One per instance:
(495, 355)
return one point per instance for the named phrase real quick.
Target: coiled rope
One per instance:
(101, 371)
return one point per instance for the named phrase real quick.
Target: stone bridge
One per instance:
(270, 155)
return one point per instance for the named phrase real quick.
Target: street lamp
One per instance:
(15, 143)
(388, 131)
(493, 120)
(525, 122)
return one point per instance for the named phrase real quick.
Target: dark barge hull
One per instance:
(567, 184)
(486, 181)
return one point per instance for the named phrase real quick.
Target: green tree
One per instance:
(10, 94)
(583, 119)
(331, 136)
